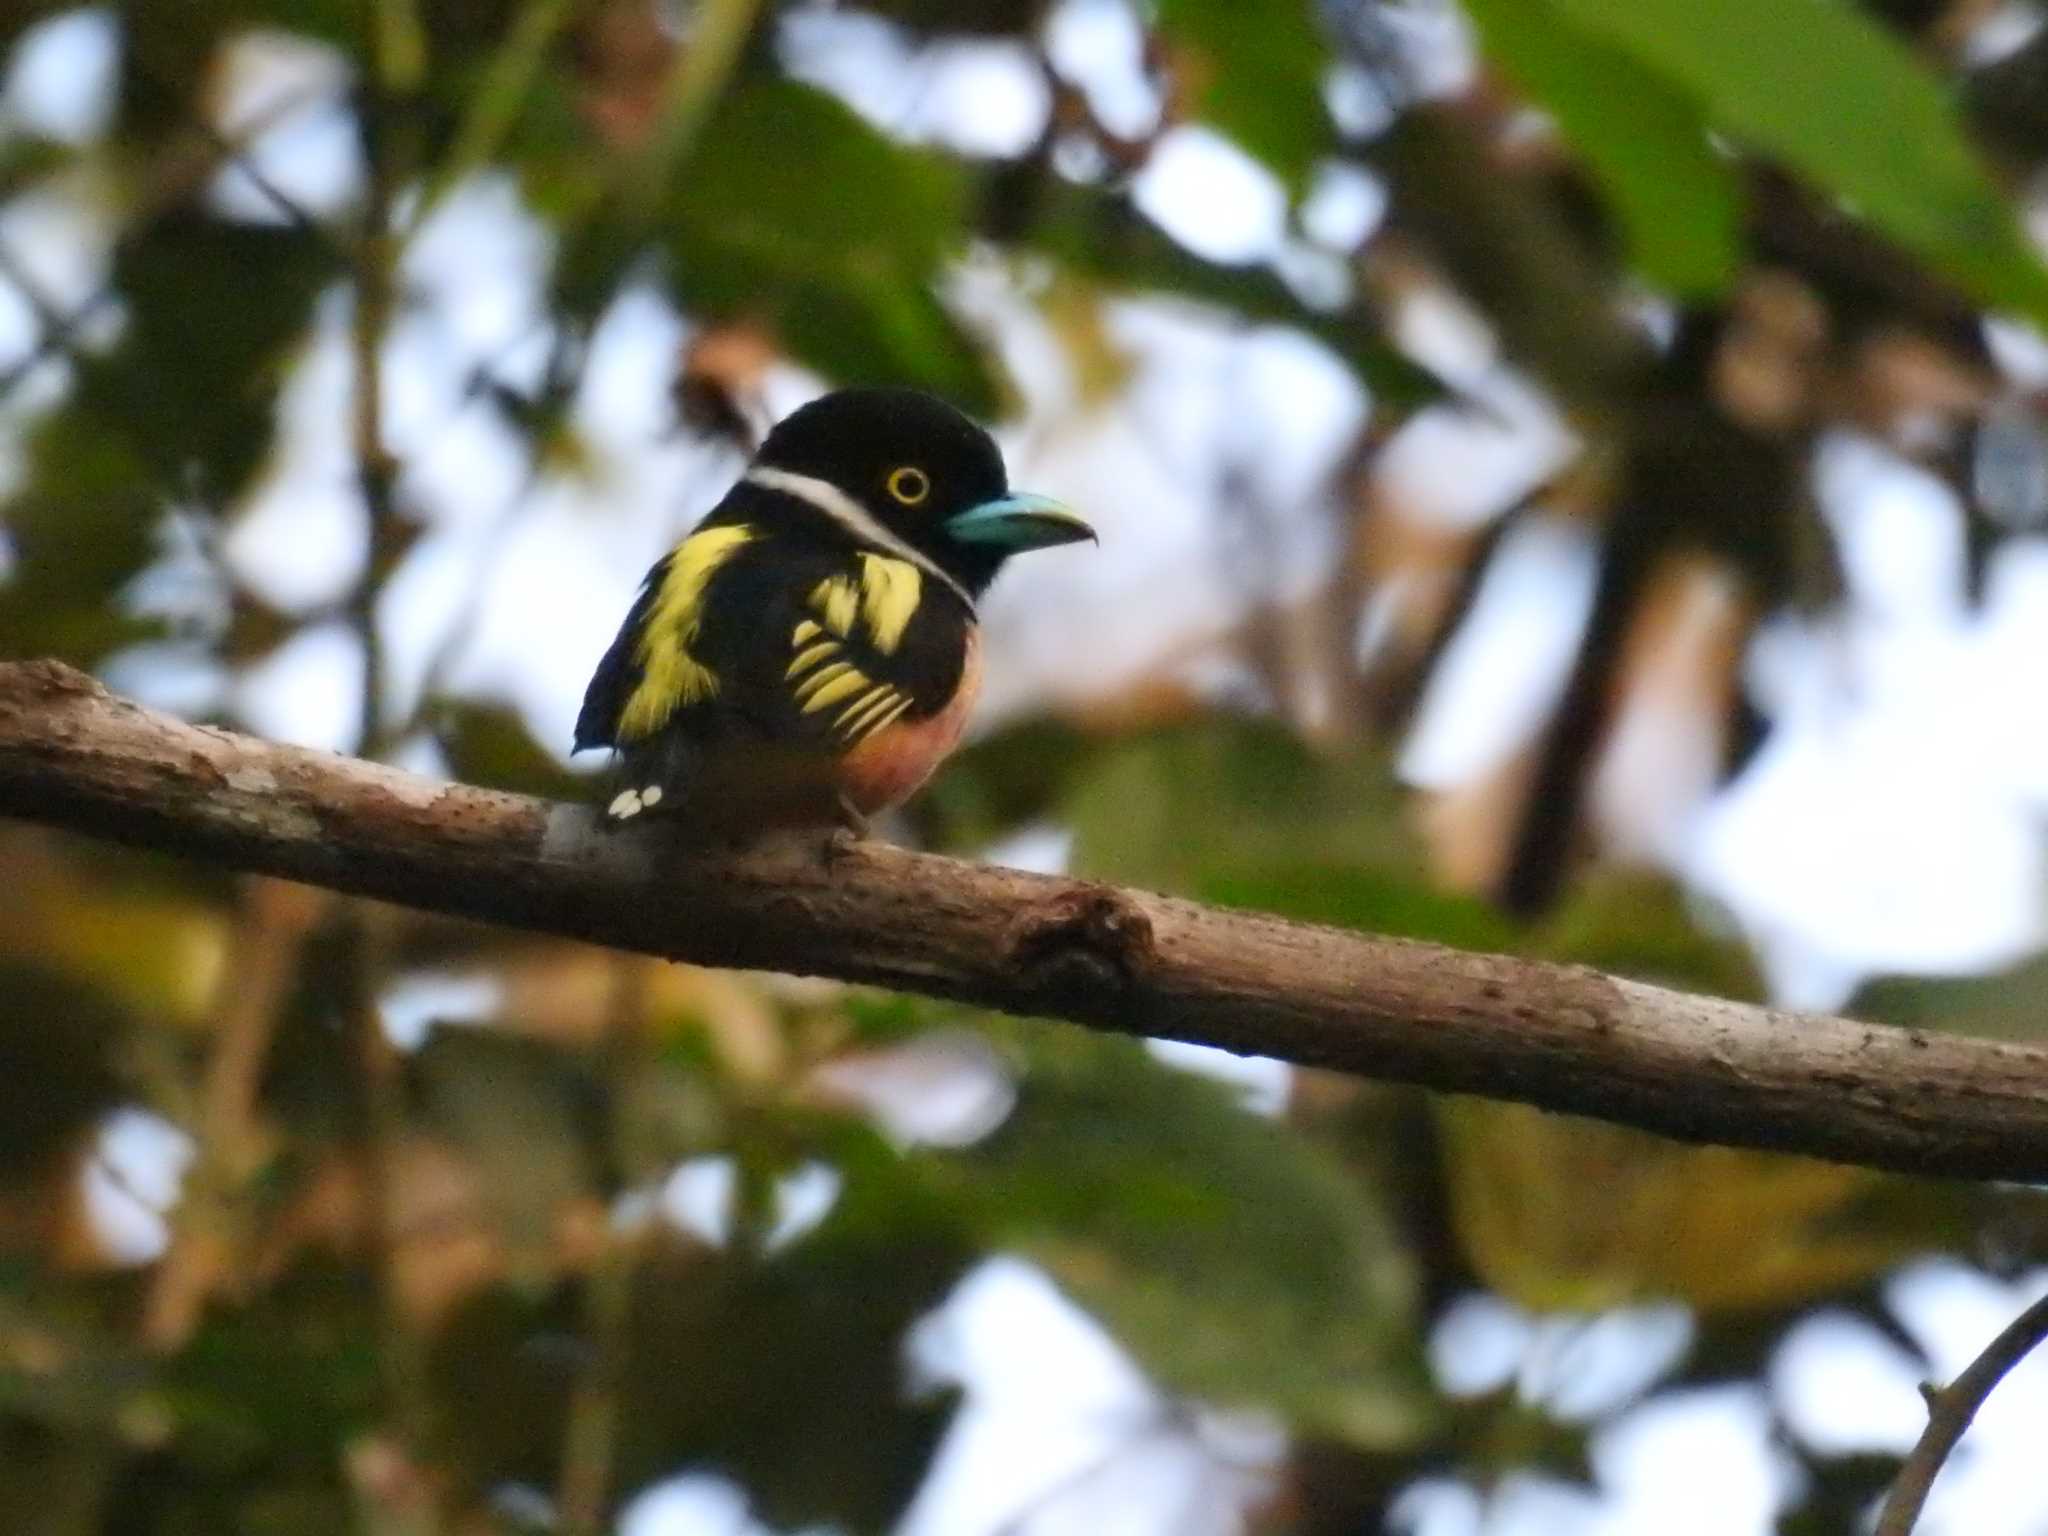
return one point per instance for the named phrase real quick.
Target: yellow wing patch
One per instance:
(870, 712)
(670, 677)
(889, 594)
(822, 692)
(882, 600)
(836, 600)
(822, 682)
(824, 678)
(811, 655)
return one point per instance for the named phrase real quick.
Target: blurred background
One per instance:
(1572, 481)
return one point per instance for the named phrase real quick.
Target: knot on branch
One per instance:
(1082, 945)
(49, 678)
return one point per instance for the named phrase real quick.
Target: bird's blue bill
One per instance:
(1021, 521)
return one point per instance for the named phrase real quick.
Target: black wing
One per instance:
(656, 669)
(618, 673)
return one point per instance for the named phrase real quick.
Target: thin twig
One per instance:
(401, 1355)
(718, 36)
(376, 471)
(638, 182)
(47, 314)
(233, 150)
(699, 75)
(270, 933)
(499, 98)
(1949, 1412)
(397, 46)
(177, 178)
(237, 156)
(55, 339)
(589, 1443)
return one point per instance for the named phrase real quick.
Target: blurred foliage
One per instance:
(1107, 241)
(816, 227)
(1715, 1227)
(1833, 96)
(784, 1375)
(1678, 200)
(180, 407)
(2008, 1005)
(57, 1058)
(1274, 1278)
(489, 744)
(440, 1288)
(1246, 80)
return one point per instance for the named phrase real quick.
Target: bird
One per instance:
(809, 652)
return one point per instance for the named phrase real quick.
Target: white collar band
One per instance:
(853, 517)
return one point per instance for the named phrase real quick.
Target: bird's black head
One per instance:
(911, 468)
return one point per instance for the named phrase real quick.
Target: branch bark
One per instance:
(1560, 1037)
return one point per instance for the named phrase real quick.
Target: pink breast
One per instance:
(887, 768)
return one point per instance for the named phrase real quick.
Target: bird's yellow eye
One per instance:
(909, 485)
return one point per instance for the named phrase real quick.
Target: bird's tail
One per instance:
(651, 778)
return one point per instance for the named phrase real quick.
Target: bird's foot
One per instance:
(852, 831)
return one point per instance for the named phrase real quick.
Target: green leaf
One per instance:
(1192, 807)
(182, 405)
(1256, 73)
(1241, 813)
(2011, 1005)
(282, 1380)
(1234, 1258)
(1834, 96)
(795, 214)
(1639, 924)
(1373, 901)
(1717, 1227)
(214, 314)
(80, 529)
(784, 1373)
(26, 159)
(59, 1035)
(50, 1486)
(529, 1115)
(492, 744)
(998, 783)
(1679, 203)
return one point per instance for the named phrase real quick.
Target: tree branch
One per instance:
(1949, 1413)
(1561, 1037)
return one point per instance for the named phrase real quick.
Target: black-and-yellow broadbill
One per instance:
(809, 652)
